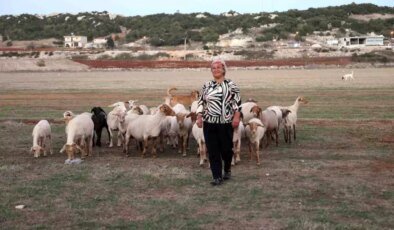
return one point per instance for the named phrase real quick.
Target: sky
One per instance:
(147, 7)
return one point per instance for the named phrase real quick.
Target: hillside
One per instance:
(174, 29)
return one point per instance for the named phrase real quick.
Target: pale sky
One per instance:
(147, 7)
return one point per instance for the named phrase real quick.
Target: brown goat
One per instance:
(186, 100)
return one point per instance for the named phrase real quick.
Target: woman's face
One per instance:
(217, 70)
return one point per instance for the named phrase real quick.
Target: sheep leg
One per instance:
(98, 140)
(90, 146)
(285, 133)
(50, 144)
(238, 158)
(201, 152)
(257, 152)
(161, 143)
(85, 147)
(290, 134)
(145, 147)
(294, 132)
(276, 137)
(126, 144)
(204, 150)
(63, 149)
(94, 137)
(233, 159)
(120, 138)
(154, 144)
(184, 144)
(42, 144)
(111, 137)
(268, 138)
(179, 144)
(250, 149)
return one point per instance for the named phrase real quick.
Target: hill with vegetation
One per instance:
(174, 29)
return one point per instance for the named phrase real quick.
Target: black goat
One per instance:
(99, 117)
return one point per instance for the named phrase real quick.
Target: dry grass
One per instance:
(338, 174)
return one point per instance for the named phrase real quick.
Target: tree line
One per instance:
(175, 29)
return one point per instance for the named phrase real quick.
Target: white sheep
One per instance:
(198, 134)
(246, 111)
(67, 116)
(348, 76)
(41, 134)
(291, 120)
(180, 128)
(79, 132)
(254, 131)
(281, 114)
(184, 128)
(165, 129)
(194, 106)
(145, 127)
(237, 136)
(113, 119)
(134, 103)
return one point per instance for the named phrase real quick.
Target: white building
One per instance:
(74, 41)
(371, 40)
(100, 42)
(201, 16)
(332, 42)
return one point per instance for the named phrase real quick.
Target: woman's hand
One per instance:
(236, 120)
(199, 120)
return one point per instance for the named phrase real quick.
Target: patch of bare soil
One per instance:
(342, 123)
(368, 17)
(338, 61)
(30, 64)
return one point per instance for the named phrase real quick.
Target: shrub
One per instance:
(123, 56)
(104, 56)
(79, 57)
(40, 63)
(370, 57)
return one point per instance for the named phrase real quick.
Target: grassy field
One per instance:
(337, 175)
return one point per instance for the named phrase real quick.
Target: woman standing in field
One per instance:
(219, 108)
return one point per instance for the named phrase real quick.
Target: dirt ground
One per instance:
(186, 79)
(337, 174)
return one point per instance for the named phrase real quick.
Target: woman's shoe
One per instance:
(216, 182)
(227, 176)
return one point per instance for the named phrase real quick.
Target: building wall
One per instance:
(374, 41)
(75, 41)
(362, 41)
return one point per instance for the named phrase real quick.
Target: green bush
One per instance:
(40, 63)
(104, 57)
(370, 57)
(123, 56)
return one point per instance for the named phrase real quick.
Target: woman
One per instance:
(219, 108)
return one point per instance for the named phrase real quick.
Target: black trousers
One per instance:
(219, 142)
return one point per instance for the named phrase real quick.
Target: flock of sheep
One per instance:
(171, 123)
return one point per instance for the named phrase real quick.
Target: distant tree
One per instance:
(110, 43)
(209, 35)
